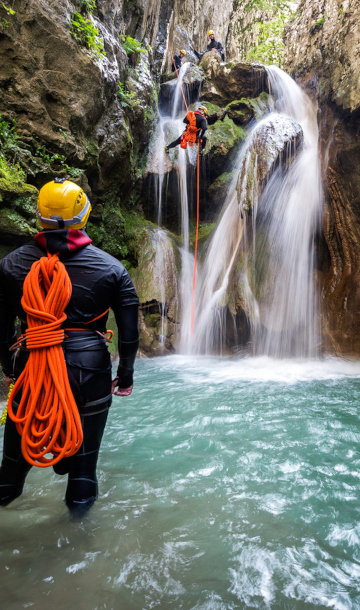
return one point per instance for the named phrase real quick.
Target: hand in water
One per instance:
(120, 391)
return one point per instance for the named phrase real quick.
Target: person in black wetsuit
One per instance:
(201, 125)
(176, 64)
(213, 45)
(99, 281)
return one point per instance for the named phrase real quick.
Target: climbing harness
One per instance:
(47, 417)
(4, 413)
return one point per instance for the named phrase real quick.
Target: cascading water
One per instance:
(169, 129)
(261, 256)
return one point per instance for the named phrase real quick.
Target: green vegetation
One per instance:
(12, 176)
(205, 229)
(269, 47)
(88, 6)
(85, 32)
(319, 24)
(131, 45)
(9, 12)
(128, 98)
(54, 160)
(267, 5)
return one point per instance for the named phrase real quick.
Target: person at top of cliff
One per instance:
(194, 132)
(214, 45)
(94, 281)
(176, 64)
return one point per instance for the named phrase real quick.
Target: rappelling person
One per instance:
(176, 64)
(194, 132)
(89, 281)
(214, 45)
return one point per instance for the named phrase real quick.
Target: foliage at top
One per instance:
(10, 12)
(131, 45)
(88, 6)
(84, 31)
(268, 5)
(269, 47)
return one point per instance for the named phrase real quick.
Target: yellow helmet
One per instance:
(62, 204)
(204, 109)
(182, 51)
(211, 32)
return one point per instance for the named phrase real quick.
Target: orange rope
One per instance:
(177, 74)
(196, 239)
(47, 417)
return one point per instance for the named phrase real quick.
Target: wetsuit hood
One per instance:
(62, 240)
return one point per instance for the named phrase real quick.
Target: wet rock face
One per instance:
(156, 280)
(276, 140)
(321, 51)
(229, 82)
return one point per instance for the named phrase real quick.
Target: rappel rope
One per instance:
(177, 74)
(197, 205)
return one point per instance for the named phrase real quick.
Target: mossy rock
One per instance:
(223, 136)
(14, 229)
(219, 189)
(240, 111)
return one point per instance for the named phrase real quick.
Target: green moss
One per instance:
(221, 184)
(13, 226)
(205, 229)
(92, 147)
(223, 136)
(152, 319)
(319, 24)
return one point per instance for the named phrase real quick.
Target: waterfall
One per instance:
(261, 257)
(169, 128)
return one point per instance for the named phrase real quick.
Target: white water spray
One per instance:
(262, 260)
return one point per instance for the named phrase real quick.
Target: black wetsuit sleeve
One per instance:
(219, 47)
(176, 63)
(127, 323)
(7, 329)
(125, 305)
(202, 125)
(186, 120)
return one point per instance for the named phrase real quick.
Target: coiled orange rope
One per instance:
(47, 417)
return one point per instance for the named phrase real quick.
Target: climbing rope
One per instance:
(177, 74)
(47, 417)
(196, 239)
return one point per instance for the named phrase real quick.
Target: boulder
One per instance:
(233, 81)
(270, 142)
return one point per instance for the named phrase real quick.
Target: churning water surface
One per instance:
(224, 483)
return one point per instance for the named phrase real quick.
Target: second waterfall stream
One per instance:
(255, 274)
